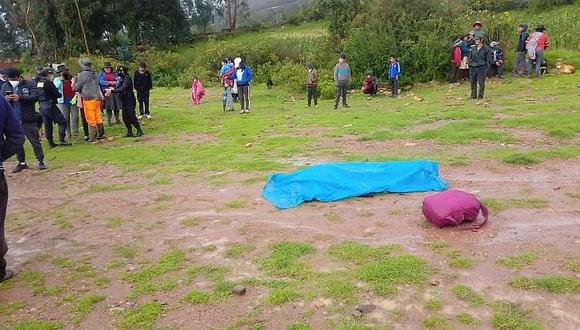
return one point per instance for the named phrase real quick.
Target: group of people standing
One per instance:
(62, 97)
(472, 57)
(236, 77)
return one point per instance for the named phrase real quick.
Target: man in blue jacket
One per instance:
(11, 140)
(394, 75)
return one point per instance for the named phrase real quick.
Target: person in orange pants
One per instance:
(87, 84)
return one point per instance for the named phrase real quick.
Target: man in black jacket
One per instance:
(48, 96)
(125, 91)
(480, 58)
(11, 140)
(22, 96)
(520, 65)
(143, 85)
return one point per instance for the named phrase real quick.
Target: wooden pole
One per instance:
(82, 27)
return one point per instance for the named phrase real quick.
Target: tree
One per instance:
(204, 12)
(231, 10)
(341, 14)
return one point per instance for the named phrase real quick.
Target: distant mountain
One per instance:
(265, 10)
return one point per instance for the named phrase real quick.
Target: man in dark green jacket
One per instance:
(480, 58)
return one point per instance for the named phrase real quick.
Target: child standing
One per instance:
(312, 85)
(342, 79)
(394, 74)
(197, 91)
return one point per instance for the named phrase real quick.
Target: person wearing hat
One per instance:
(128, 102)
(497, 63)
(22, 96)
(11, 141)
(480, 58)
(536, 44)
(520, 65)
(48, 96)
(476, 32)
(63, 82)
(108, 78)
(87, 85)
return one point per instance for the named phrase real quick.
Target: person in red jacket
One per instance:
(536, 44)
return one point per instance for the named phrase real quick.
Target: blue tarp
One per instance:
(336, 181)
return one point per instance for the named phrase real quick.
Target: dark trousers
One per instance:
(496, 70)
(477, 76)
(130, 118)
(312, 94)
(31, 133)
(244, 95)
(85, 123)
(49, 118)
(520, 65)
(341, 89)
(394, 86)
(3, 205)
(143, 99)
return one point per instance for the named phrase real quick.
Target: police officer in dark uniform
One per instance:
(11, 141)
(48, 96)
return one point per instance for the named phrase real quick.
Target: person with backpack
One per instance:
(342, 76)
(394, 75)
(243, 76)
(520, 65)
(480, 58)
(312, 85)
(536, 44)
(128, 101)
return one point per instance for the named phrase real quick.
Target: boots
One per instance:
(129, 133)
(62, 141)
(51, 143)
(92, 134)
(100, 132)
(139, 132)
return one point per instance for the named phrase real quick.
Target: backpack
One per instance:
(453, 207)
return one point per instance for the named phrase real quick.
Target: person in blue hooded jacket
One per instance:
(243, 76)
(394, 75)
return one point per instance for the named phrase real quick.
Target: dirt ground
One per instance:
(55, 214)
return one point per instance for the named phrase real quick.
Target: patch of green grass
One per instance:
(499, 205)
(142, 316)
(436, 322)
(84, 306)
(552, 284)
(465, 293)
(236, 204)
(147, 279)
(535, 156)
(438, 245)
(7, 309)
(163, 181)
(337, 286)
(385, 273)
(209, 248)
(358, 253)
(127, 251)
(190, 222)
(468, 320)
(37, 325)
(573, 266)
(464, 132)
(282, 295)
(105, 187)
(509, 316)
(300, 326)
(519, 261)
(34, 280)
(238, 249)
(520, 158)
(197, 297)
(114, 222)
(60, 220)
(62, 262)
(210, 272)
(102, 281)
(433, 304)
(284, 260)
(458, 261)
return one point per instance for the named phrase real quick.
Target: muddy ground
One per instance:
(56, 214)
